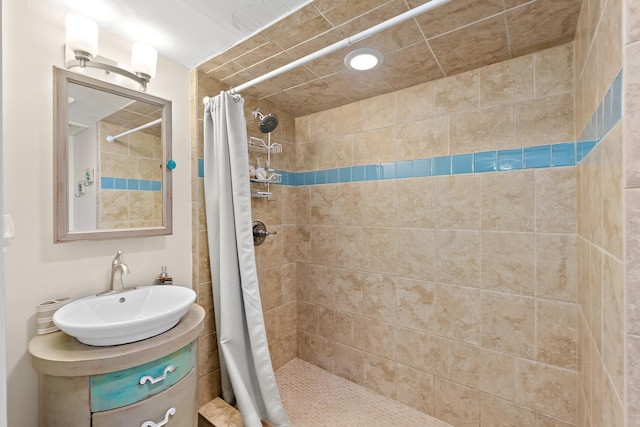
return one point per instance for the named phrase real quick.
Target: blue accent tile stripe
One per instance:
(462, 163)
(442, 165)
(537, 157)
(200, 168)
(484, 162)
(509, 160)
(114, 183)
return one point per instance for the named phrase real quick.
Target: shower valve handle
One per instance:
(260, 232)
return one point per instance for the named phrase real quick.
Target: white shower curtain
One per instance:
(245, 363)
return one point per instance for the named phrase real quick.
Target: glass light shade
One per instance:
(144, 59)
(82, 34)
(363, 59)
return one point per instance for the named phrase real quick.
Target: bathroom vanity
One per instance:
(149, 383)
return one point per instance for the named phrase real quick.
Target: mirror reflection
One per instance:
(116, 142)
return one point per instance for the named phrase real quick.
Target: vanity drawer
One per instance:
(122, 388)
(181, 397)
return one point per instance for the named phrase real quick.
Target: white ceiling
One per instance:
(185, 31)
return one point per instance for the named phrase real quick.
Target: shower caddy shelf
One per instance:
(259, 146)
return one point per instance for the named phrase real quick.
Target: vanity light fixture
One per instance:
(82, 40)
(363, 59)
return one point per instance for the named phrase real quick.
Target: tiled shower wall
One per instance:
(276, 274)
(605, 185)
(454, 294)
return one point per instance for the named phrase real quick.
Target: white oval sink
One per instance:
(124, 317)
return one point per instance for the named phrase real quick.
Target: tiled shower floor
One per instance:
(314, 397)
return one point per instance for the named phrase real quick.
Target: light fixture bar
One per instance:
(141, 78)
(342, 43)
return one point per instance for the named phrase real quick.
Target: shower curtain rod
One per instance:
(340, 44)
(148, 125)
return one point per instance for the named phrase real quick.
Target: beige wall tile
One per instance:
(631, 107)
(507, 81)
(415, 388)
(508, 323)
(594, 167)
(374, 146)
(423, 138)
(336, 152)
(458, 313)
(457, 93)
(286, 318)
(414, 203)
(348, 204)
(270, 281)
(302, 130)
(426, 352)
(545, 420)
(612, 407)
(322, 126)
(498, 412)
(556, 266)
(632, 260)
(481, 130)
(378, 207)
(633, 379)
(349, 242)
(508, 262)
(322, 201)
(308, 317)
(613, 321)
(349, 363)
(414, 103)
(380, 375)
(349, 291)
(336, 326)
(610, 43)
(507, 201)
(416, 305)
(380, 297)
(555, 200)
(632, 16)
(374, 337)
(547, 389)
(594, 303)
(348, 119)
(380, 248)
(322, 353)
(482, 369)
(458, 257)
(323, 249)
(544, 121)
(415, 253)
(379, 111)
(457, 202)
(612, 215)
(306, 157)
(456, 404)
(556, 334)
(554, 70)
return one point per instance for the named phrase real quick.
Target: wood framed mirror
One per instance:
(111, 148)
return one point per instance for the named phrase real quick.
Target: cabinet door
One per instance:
(182, 397)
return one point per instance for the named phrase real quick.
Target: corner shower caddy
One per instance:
(272, 177)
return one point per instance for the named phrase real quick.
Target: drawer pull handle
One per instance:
(170, 411)
(149, 378)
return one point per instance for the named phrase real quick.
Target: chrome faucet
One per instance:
(116, 265)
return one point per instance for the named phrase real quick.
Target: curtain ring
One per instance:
(236, 97)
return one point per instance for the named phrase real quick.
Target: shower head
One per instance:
(268, 122)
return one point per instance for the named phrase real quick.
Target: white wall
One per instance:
(38, 270)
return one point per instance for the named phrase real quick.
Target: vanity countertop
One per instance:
(59, 354)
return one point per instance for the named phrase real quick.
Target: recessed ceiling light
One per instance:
(363, 59)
